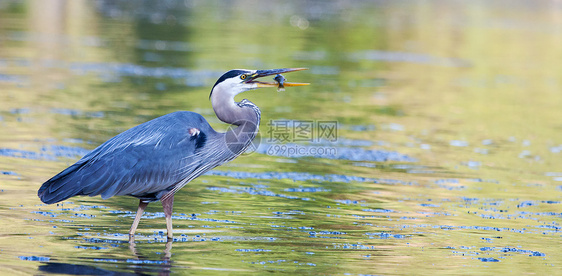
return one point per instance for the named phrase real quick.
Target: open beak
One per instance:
(264, 73)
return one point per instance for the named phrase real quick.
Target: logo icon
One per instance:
(242, 137)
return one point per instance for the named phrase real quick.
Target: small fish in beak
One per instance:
(280, 80)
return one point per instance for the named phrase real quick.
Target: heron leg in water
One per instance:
(168, 205)
(140, 210)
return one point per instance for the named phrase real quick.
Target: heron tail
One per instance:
(61, 186)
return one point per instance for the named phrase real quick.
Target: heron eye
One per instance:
(243, 77)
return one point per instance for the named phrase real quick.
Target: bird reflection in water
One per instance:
(164, 266)
(140, 265)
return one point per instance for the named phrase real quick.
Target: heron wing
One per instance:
(145, 161)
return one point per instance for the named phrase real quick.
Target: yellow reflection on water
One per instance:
(471, 90)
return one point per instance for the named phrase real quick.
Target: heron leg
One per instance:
(168, 205)
(140, 210)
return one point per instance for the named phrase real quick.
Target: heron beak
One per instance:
(264, 73)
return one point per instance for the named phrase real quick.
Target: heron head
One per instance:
(237, 81)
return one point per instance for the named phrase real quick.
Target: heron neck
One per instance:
(243, 114)
(231, 112)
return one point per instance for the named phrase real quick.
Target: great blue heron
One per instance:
(152, 161)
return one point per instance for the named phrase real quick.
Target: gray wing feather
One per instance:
(145, 161)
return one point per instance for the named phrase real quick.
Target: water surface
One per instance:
(445, 159)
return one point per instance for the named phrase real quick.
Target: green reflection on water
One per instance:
(470, 90)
